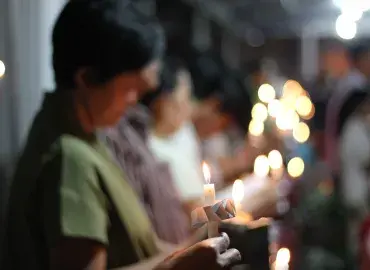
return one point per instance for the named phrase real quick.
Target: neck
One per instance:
(163, 130)
(84, 119)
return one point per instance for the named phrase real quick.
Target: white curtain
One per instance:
(25, 48)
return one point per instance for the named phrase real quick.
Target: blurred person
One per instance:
(221, 121)
(70, 206)
(361, 59)
(172, 137)
(354, 149)
(342, 78)
(135, 143)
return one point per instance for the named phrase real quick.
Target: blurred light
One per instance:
(290, 119)
(353, 9)
(266, 93)
(275, 159)
(2, 69)
(238, 191)
(206, 172)
(346, 28)
(282, 122)
(295, 167)
(292, 89)
(261, 166)
(256, 127)
(310, 115)
(288, 103)
(303, 105)
(301, 132)
(274, 107)
(259, 112)
(282, 257)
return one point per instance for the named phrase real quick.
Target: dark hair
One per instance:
(234, 99)
(207, 70)
(354, 99)
(168, 81)
(106, 36)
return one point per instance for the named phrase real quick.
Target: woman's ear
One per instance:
(82, 78)
(85, 78)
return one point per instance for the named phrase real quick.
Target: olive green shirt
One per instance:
(66, 185)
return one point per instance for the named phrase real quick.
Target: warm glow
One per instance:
(301, 132)
(2, 69)
(292, 89)
(282, 257)
(261, 166)
(303, 106)
(274, 107)
(275, 159)
(259, 112)
(238, 191)
(287, 119)
(295, 167)
(256, 128)
(206, 172)
(266, 93)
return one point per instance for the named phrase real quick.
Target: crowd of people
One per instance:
(111, 169)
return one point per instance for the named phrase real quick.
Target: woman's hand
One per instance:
(212, 254)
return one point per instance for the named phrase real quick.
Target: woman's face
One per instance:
(107, 103)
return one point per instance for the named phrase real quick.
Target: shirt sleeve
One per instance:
(73, 203)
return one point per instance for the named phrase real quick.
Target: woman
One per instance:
(70, 207)
(354, 133)
(172, 138)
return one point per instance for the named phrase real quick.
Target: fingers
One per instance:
(229, 258)
(220, 244)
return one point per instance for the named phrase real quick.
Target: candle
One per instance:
(209, 199)
(209, 189)
(282, 259)
(238, 194)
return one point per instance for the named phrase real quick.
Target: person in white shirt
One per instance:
(173, 139)
(354, 152)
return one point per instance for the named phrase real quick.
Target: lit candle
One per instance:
(282, 259)
(238, 194)
(209, 189)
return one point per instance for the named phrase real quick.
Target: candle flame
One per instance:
(282, 257)
(206, 172)
(238, 191)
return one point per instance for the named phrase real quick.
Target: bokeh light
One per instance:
(238, 191)
(275, 159)
(295, 167)
(261, 166)
(292, 89)
(259, 112)
(274, 107)
(266, 93)
(346, 27)
(2, 69)
(301, 132)
(256, 127)
(303, 106)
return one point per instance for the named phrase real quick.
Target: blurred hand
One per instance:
(211, 254)
(263, 203)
